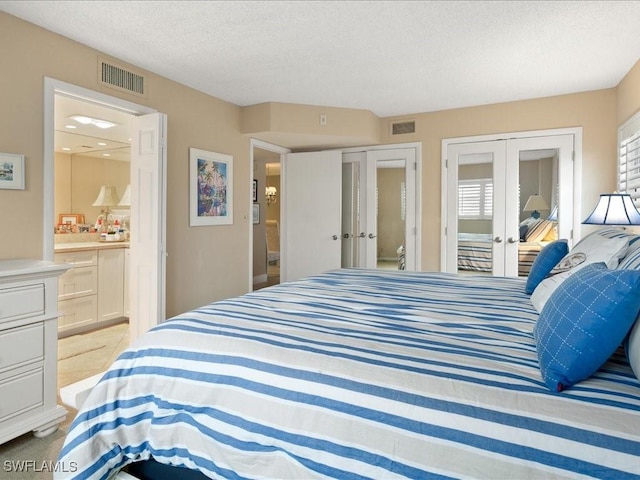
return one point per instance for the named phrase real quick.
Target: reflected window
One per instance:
(475, 199)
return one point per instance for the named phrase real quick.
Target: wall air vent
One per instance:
(121, 78)
(402, 128)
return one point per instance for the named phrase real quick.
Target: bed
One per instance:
(355, 374)
(475, 253)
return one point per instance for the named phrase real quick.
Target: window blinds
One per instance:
(629, 158)
(475, 199)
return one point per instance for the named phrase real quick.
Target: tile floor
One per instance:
(86, 354)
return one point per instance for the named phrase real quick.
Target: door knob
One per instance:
(371, 235)
(334, 237)
(346, 235)
(497, 240)
(512, 240)
(362, 235)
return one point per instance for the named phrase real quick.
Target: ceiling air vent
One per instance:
(120, 78)
(402, 128)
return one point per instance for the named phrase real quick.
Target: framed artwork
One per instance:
(70, 219)
(255, 190)
(11, 171)
(256, 213)
(210, 188)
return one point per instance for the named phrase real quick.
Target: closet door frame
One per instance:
(574, 170)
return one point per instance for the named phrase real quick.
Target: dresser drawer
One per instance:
(85, 258)
(21, 345)
(21, 302)
(78, 282)
(21, 393)
(77, 312)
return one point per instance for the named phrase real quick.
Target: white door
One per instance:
(148, 231)
(487, 187)
(389, 203)
(476, 179)
(310, 225)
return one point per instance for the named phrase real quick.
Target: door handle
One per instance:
(497, 240)
(512, 240)
(371, 235)
(347, 235)
(334, 237)
(362, 235)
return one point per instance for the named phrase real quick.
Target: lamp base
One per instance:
(535, 214)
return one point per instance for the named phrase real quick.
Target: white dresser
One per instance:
(28, 348)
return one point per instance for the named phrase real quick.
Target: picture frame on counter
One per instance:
(12, 171)
(70, 219)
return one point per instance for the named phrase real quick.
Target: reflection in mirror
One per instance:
(391, 213)
(78, 180)
(350, 214)
(538, 182)
(475, 213)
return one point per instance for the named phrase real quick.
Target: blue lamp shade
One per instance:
(614, 209)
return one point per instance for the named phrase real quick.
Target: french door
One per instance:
(379, 220)
(486, 186)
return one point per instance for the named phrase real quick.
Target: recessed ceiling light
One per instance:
(102, 144)
(93, 121)
(71, 127)
(66, 149)
(106, 154)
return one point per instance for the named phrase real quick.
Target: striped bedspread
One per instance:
(475, 253)
(357, 374)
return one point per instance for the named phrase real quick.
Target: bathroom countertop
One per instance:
(81, 246)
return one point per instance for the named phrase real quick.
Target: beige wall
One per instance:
(203, 263)
(594, 111)
(209, 263)
(628, 95)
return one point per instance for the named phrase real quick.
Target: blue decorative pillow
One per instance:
(584, 321)
(548, 258)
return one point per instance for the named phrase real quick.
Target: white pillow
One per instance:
(596, 249)
(633, 349)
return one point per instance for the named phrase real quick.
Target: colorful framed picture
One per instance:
(11, 171)
(210, 188)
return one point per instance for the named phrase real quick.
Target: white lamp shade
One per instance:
(553, 216)
(535, 202)
(125, 201)
(108, 197)
(614, 209)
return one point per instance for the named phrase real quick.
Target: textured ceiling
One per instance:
(392, 58)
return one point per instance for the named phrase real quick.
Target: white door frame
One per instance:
(53, 87)
(413, 210)
(577, 176)
(253, 144)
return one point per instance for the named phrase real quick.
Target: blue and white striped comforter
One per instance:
(357, 374)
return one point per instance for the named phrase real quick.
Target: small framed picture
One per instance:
(256, 213)
(255, 190)
(11, 171)
(70, 219)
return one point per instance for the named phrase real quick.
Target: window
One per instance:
(475, 199)
(629, 158)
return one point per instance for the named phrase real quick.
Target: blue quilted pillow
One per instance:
(548, 258)
(584, 321)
